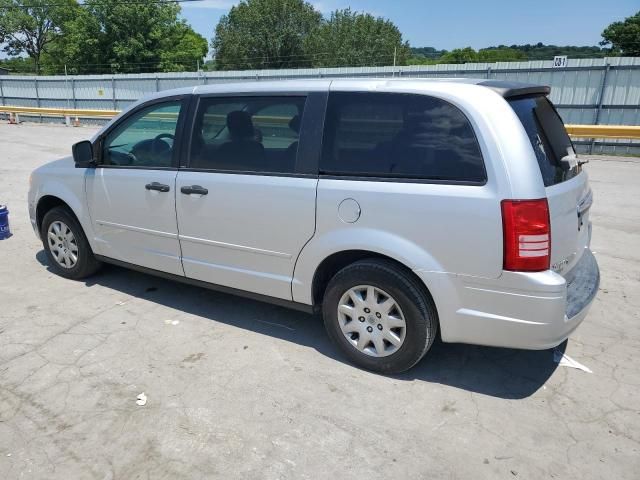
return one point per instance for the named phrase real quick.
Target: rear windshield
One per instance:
(548, 138)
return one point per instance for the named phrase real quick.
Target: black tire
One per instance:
(419, 312)
(86, 264)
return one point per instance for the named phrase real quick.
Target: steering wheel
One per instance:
(164, 135)
(158, 138)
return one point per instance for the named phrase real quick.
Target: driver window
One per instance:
(145, 139)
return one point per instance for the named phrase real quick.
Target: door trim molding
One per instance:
(232, 246)
(131, 228)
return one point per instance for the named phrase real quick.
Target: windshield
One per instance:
(548, 138)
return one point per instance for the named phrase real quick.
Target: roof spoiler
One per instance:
(515, 89)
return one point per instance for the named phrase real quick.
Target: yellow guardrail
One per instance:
(578, 131)
(58, 112)
(604, 131)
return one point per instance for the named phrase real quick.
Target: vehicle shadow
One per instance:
(498, 372)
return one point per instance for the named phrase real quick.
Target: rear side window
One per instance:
(247, 134)
(548, 138)
(400, 136)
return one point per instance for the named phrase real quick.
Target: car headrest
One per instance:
(294, 124)
(240, 124)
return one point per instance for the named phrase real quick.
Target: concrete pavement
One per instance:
(241, 389)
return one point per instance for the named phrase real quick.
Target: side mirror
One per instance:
(83, 154)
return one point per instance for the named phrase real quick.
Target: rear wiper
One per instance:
(568, 161)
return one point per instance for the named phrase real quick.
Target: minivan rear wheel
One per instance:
(379, 316)
(66, 245)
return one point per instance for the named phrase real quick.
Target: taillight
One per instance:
(527, 235)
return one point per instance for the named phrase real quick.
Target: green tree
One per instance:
(264, 34)
(460, 55)
(504, 53)
(540, 51)
(111, 36)
(427, 52)
(18, 65)
(183, 50)
(500, 54)
(421, 60)
(492, 54)
(351, 38)
(31, 26)
(624, 36)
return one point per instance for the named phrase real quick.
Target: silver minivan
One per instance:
(396, 207)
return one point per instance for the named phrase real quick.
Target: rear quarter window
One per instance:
(400, 136)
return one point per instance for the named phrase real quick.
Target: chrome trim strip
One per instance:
(231, 246)
(147, 231)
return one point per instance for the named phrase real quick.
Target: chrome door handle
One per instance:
(158, 187)
(194, 189)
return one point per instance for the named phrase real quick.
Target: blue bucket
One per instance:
(4, 223)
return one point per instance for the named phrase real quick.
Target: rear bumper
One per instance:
(533, 311)
(582, 285)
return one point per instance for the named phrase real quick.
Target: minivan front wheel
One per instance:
(379, 316)
(66, 245)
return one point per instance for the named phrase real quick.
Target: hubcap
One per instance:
(62, 244)
(372, 321)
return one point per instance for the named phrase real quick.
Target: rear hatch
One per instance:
(566, 185)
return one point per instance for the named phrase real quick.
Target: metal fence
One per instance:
(586, 91)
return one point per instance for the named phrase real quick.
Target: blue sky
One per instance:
(455, 24)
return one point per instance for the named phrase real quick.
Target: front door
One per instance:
(131, 194)
(244, 208)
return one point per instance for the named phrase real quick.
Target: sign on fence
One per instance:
(559, 61)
